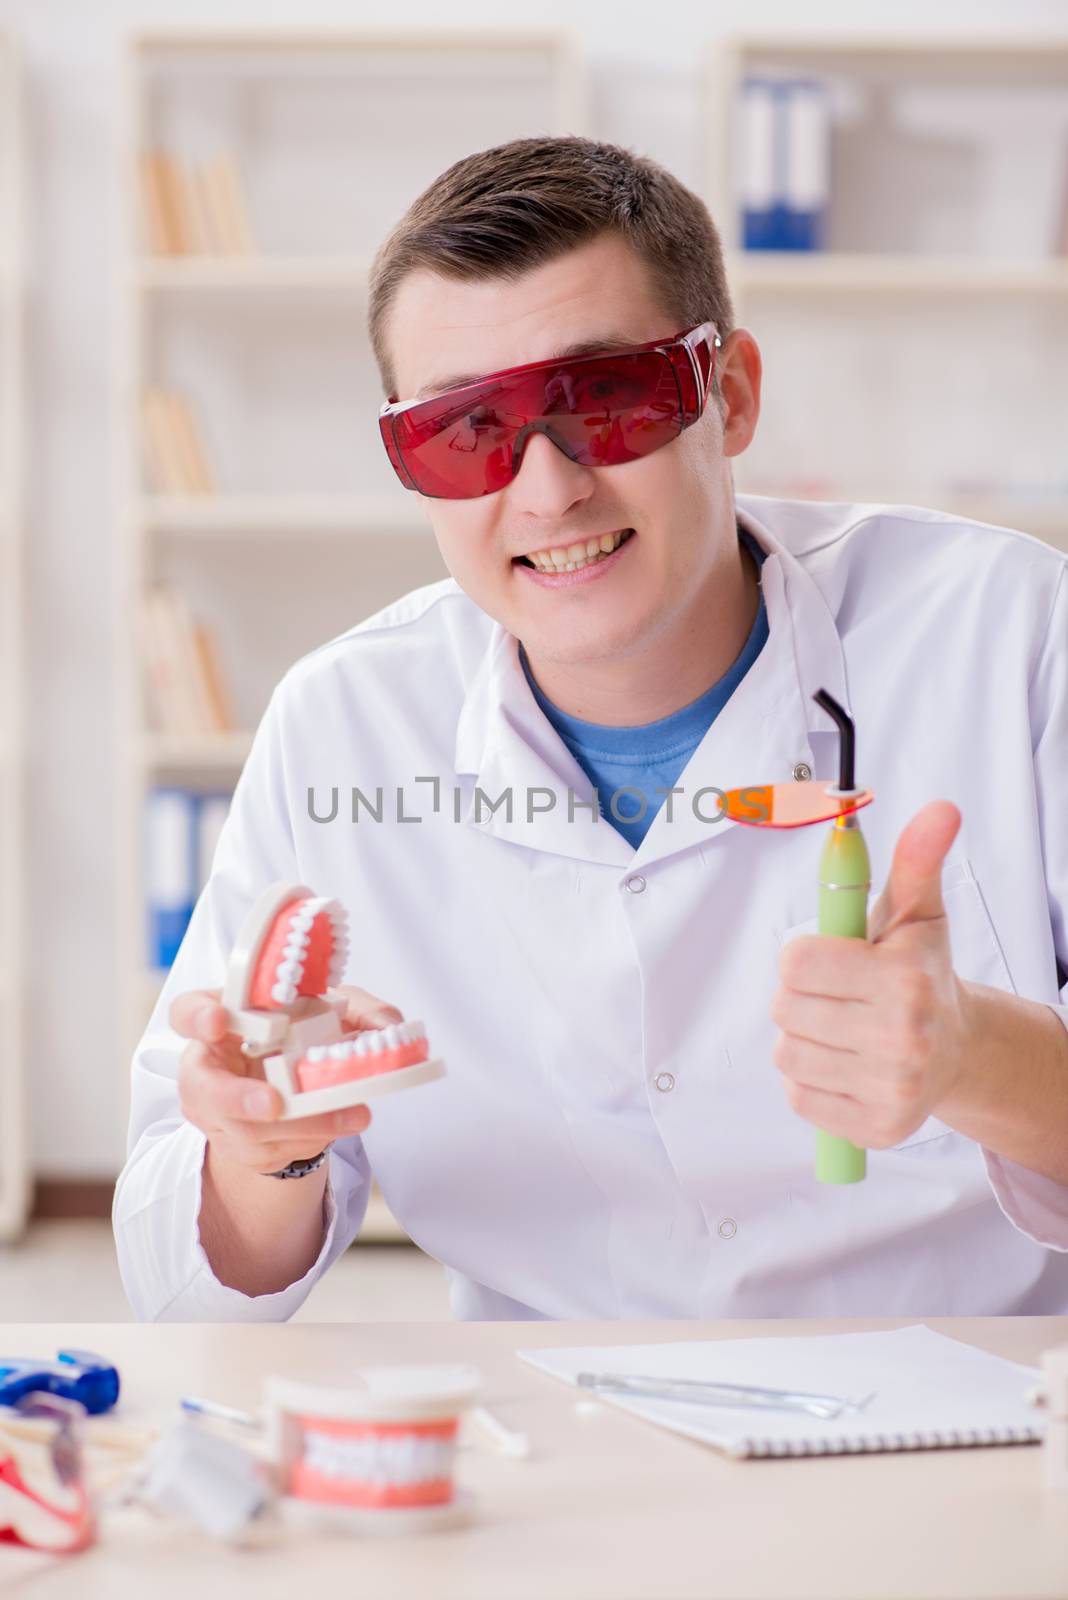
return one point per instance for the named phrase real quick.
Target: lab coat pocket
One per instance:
(977, 953)
(812, 925)
(977, 956)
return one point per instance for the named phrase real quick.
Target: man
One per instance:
(638, 1048)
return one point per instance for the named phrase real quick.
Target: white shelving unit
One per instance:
(932, 288)
(187, 516)
(14, 1129)
(271, 348)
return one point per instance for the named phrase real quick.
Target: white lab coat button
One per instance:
(802, 772)
(665, 1082)
(727, 1228)
(635, 883)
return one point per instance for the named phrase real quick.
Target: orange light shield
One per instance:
(791, 805)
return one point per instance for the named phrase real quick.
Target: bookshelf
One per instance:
(192, 517)
(947, 212)
(257, 324)
(283, 275)
(14, 1122)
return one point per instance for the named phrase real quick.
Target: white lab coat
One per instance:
(612, 1138)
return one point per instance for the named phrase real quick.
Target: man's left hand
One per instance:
(874, 1032)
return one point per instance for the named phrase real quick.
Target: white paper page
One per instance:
(925, 1383)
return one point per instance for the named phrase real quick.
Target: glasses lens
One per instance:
(600, 412)
(67, 1417)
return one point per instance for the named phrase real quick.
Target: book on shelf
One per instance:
(784, 163)
(225, 211)
(174, 451)
(194, 208)
(182, 828)
(160, 224)
(187, 687)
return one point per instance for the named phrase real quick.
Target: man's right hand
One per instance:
(223, 1092)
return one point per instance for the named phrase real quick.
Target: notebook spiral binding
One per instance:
(872, 1443)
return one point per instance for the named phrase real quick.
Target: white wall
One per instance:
(644, 62)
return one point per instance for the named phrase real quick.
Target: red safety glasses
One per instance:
(600, 410)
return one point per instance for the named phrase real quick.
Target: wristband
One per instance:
(299, 1169)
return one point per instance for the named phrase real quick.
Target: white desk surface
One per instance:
(607, 1505)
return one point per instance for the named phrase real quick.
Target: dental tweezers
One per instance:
(742, 1396)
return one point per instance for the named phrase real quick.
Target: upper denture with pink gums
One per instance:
(303, 954)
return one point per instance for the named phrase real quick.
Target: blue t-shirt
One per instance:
(649, 757)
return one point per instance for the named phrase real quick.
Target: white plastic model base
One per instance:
(278, 1070)
(374, 1458)
(397, 1520)
(290, 950)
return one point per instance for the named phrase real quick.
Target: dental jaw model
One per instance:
(377, 1459)
(290, 952)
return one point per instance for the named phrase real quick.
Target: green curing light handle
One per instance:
(845, 879)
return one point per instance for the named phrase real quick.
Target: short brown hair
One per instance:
(501, 212)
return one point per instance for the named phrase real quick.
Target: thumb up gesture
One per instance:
(873, 1032)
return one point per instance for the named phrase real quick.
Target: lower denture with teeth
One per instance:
(403, 1044)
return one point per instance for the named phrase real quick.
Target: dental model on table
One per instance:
(371, 1459)
(290, 952)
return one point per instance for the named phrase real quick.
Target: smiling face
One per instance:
(645, 539)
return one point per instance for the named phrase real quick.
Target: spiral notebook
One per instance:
(931, 1392)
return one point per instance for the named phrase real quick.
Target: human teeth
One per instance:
(362, 1046)
(392, 1037)
(574, 556)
